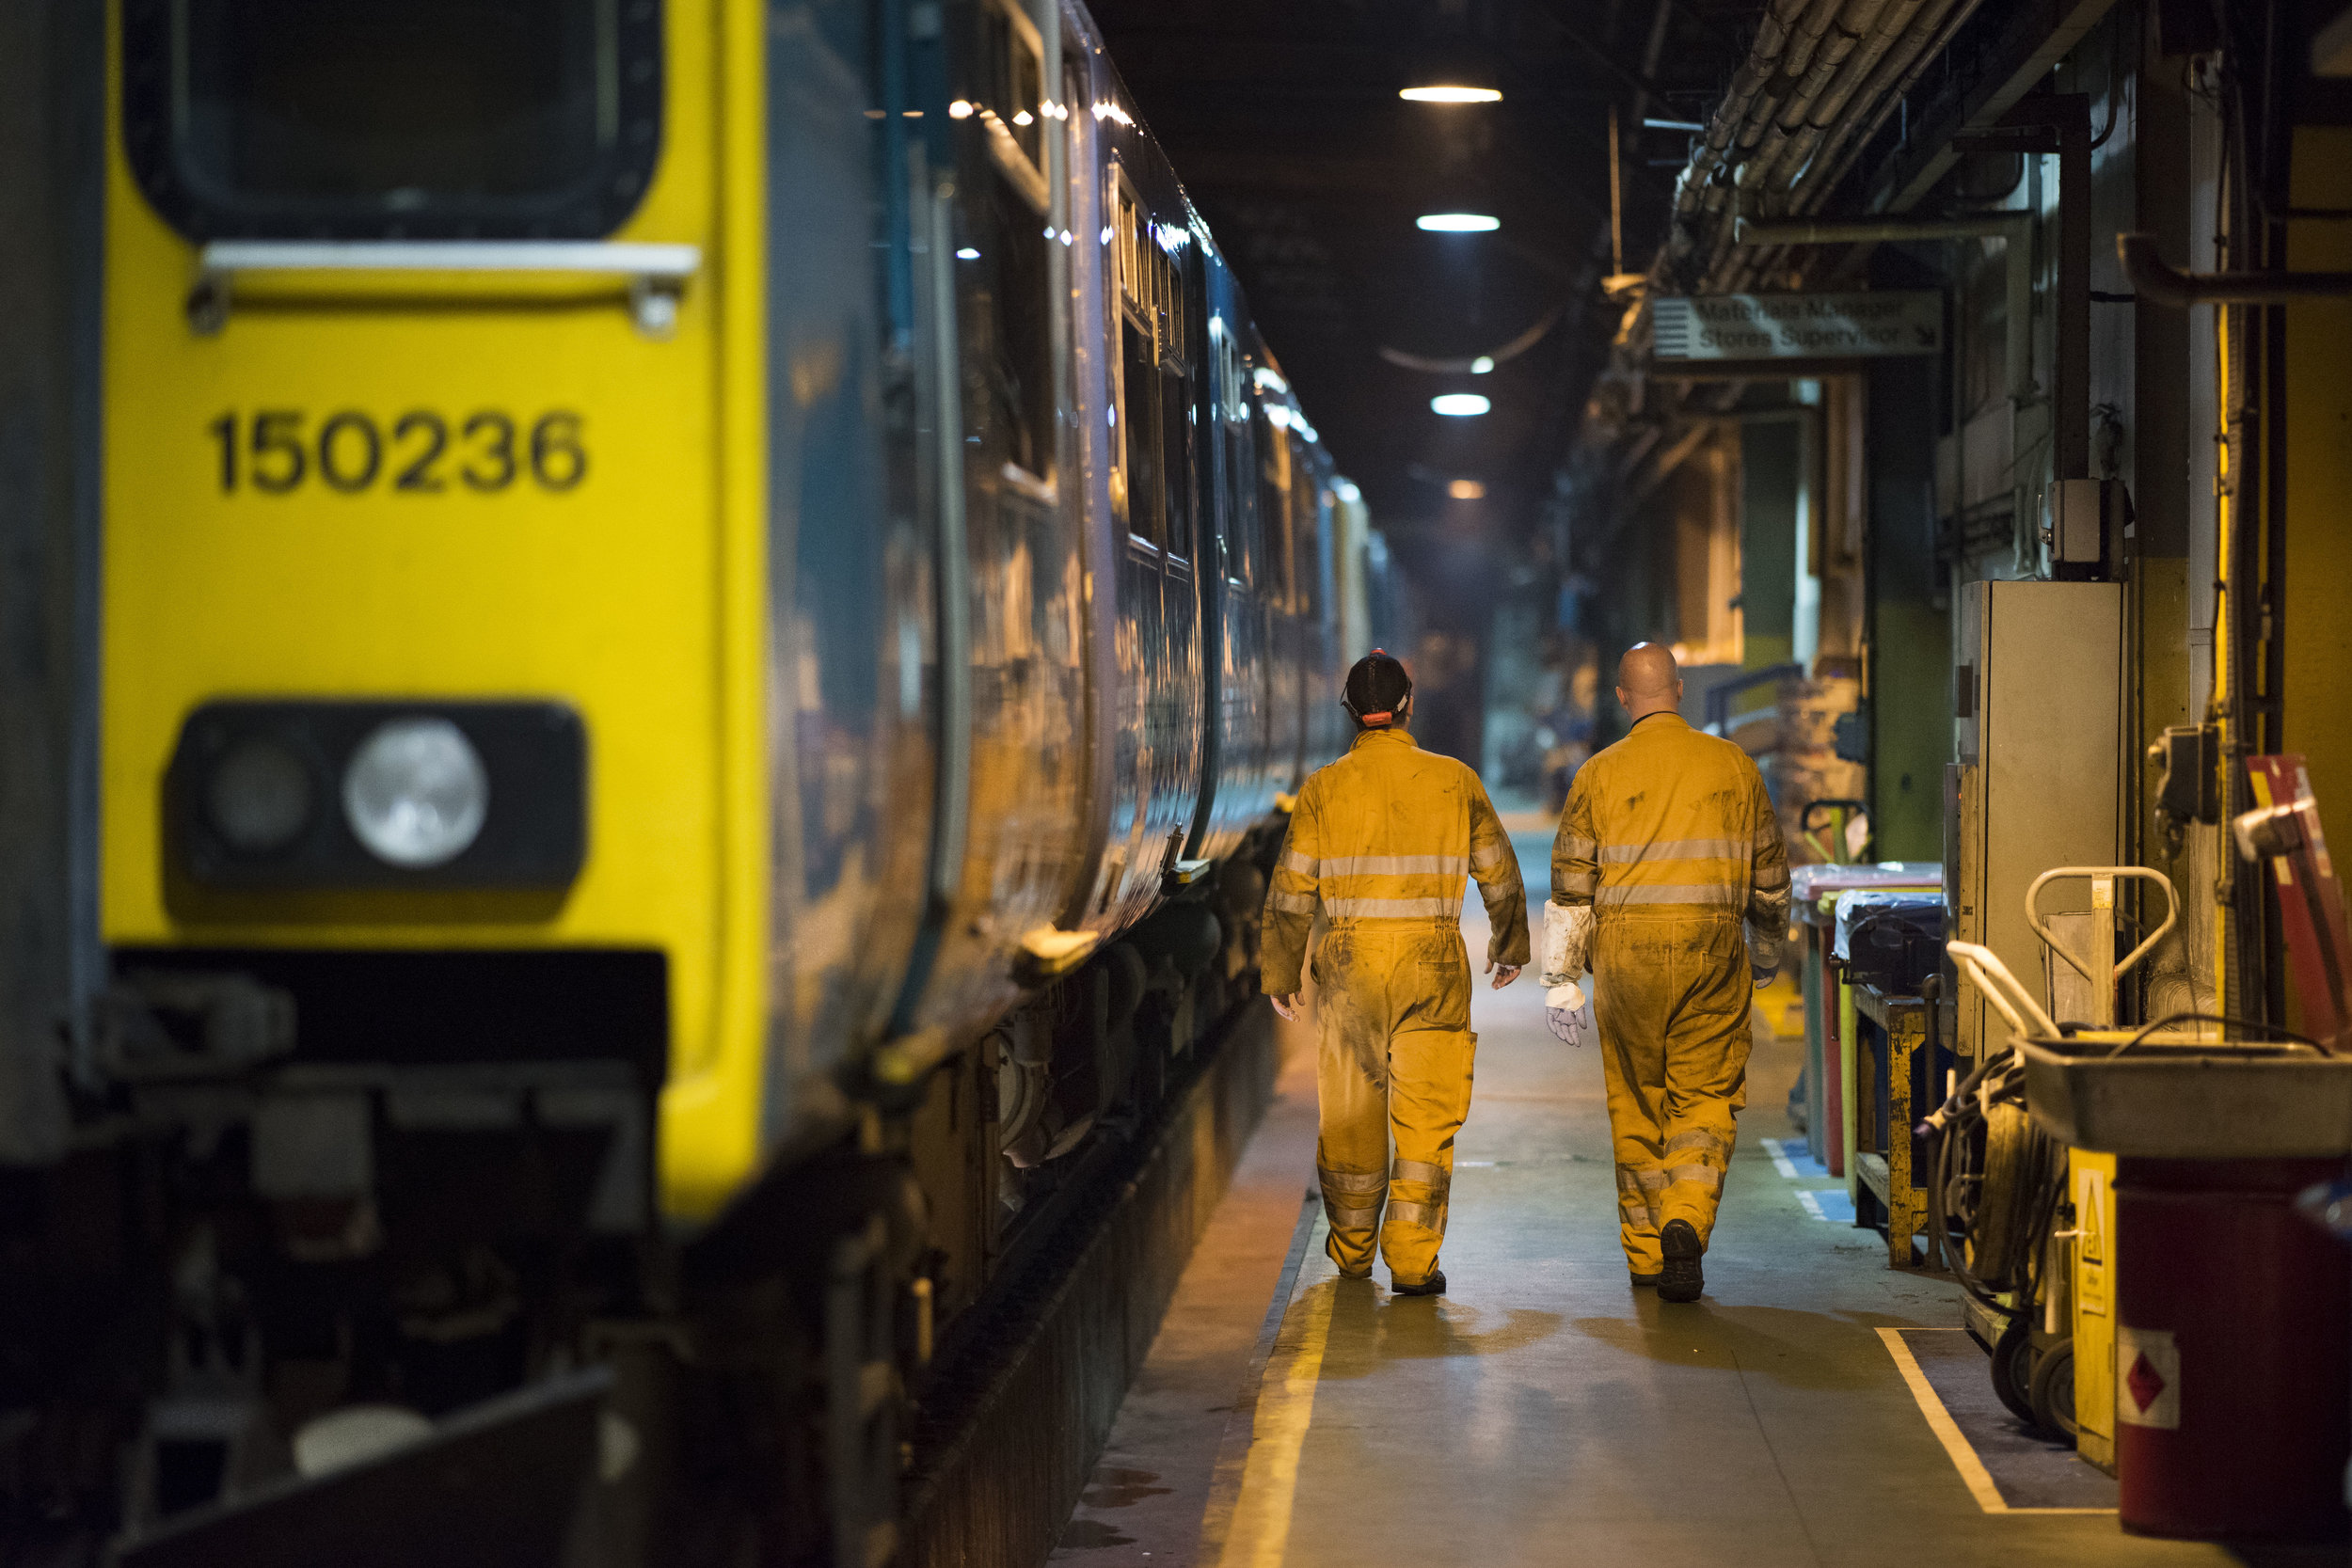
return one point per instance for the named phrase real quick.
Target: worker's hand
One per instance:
(1563, 1010)
(1503, 973)
(1288, 1005)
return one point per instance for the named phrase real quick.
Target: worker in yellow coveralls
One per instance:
(1668, 847)
(1380, 844)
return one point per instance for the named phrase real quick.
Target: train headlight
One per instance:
(259, 797)
(416, 793)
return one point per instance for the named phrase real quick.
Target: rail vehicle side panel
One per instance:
(1159, 677)
(1021, 572)
(852, 647)
(1234, 567)
(447, 485)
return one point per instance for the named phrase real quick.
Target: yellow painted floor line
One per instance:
(1956, 1446)
(1258, 1535)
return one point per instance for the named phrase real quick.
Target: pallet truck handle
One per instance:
(2033, 912)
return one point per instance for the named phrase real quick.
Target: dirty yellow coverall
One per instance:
(1381, 841)
(1669, 841)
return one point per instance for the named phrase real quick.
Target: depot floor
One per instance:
(1543, 1411)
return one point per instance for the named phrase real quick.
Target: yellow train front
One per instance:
(707, 608)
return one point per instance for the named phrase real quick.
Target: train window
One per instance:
(1012, 96)
(1307, 514)
(1152, 483)
(1230, 389)
(374, 119)
(1020, 282)
(1274, 485)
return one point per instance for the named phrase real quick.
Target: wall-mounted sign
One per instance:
(1799, 326)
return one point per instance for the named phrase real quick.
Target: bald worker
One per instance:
(1668, 845)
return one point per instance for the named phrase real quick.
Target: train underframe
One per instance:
(280, 1258)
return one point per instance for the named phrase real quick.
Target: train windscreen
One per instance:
(418, 118)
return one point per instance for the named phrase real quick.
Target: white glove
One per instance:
(1563, 1009)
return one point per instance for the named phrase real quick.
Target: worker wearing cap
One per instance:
(1668, 845)
(1379, 843)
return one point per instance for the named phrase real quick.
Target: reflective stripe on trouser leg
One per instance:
(1351, 1203)
(1429, 1095)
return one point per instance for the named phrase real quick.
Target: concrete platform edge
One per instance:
(996, 1495)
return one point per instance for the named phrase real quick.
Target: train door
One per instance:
(1021, 672)
(1276, 491)
(1156, 755)
(1234, 626)
(850, 744)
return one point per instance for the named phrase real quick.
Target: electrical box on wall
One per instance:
(2083, 527)
(2037, 733)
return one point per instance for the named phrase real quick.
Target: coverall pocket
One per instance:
(1432, 981)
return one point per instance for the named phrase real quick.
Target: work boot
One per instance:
(1433, 1286)
(1681, 1278)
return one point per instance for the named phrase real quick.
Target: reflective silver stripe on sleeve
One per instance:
(1393, 908)
(1580, 881)
(1732, 897)
(1351, 1219)
(1489, 857)
(1772, 878)
(1419, 1171)
(1395, 865)
(1430, 1215)
(1705, 1176)
(1293, 903)
(1578, 849)
(1352, 1181)
(1294, 860)
(1699, 1137)
(1677, 849)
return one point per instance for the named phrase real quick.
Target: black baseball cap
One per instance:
(1377, 688)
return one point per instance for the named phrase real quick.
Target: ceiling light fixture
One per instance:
(1450, 92)
(1467, 490)
(1460, 406)
(1458, 223)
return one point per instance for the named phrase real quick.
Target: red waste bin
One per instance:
(2233, 1385)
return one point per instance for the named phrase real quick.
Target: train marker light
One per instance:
(1481, 365)
(1458, 223)
(258, 797)
(1460, 406)
(416, 793)
(967, 254)
(1467, 490)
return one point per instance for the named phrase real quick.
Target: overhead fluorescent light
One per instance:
(1460, 406)
(1458, 223)
(1449, 93)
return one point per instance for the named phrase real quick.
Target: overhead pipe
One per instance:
(2159, 284)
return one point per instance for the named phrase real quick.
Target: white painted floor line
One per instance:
(1812, 1202)
(1781, 1161)
(1956, 1446)
(1259, 1534)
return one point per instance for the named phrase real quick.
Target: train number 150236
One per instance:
(276, 451)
